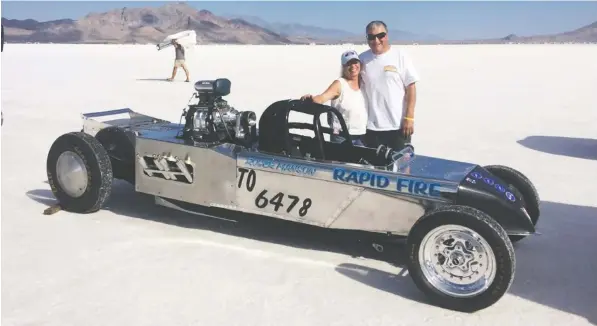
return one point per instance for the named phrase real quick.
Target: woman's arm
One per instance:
(332, 92)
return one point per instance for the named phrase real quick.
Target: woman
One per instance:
(347, 97)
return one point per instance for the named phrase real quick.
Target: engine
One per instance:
(211, 119)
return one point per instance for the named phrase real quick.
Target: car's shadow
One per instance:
(585, 148)
(125, 201)
(555, 269)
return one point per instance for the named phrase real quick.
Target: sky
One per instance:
(447, 19)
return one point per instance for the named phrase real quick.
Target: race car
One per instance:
(459, 219)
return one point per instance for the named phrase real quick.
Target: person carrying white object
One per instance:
(179, 60)
(389, 83)
(347, 97)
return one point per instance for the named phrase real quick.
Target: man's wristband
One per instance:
(407, 118)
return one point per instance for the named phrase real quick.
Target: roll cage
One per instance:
(275, 136)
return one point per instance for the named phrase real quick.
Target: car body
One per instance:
(224, 158)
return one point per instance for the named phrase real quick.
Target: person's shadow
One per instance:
(154, 79)
(556, 269)
(585, 148)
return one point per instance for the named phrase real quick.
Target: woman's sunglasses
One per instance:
(372, 37)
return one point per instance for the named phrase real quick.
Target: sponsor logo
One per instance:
(498, 187)
(510, 196)
(476, 175)
(280, 166)
(403, 185)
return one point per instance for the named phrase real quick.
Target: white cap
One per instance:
(349, 55)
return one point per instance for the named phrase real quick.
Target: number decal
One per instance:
(251, 178)
(295, 200)
(261, 201)
(305, 208)
(277, 201)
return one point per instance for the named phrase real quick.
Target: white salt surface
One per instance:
(531, 107)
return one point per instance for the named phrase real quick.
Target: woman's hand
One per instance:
(307, 97)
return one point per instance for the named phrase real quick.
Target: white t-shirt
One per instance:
(385, 78)
(353, 107)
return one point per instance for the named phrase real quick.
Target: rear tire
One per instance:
(120, 146)
(522, 187)
(451, 242)
(79, 172)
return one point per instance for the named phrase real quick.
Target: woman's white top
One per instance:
(353, 107)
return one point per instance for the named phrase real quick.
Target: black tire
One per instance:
(120, 146)
(98, 167)
(484, 226)
(522, 187)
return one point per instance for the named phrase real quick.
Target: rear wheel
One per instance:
(523, 187)
(120, 146)
(79, 172)
(460, 258)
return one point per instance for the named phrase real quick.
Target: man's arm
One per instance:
(410, 77)
(411, 100)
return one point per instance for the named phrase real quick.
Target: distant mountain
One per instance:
(151, 25)
(141, 25)
(320, 34)
(585, 34)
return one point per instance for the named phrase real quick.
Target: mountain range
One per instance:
(151, 25)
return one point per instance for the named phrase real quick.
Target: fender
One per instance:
(120, 145)
(486, 192)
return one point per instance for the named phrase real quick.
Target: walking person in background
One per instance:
(389, 82)
(179, 60)
(347, 97)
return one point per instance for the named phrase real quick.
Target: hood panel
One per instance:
(437, 168)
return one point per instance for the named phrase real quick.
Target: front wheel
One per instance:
(460, 258)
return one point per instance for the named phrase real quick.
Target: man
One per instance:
(179, 61)
(389, 81)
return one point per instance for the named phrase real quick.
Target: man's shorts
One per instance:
(179, 63)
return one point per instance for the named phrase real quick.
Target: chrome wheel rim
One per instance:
(72, 174)
(457, 261)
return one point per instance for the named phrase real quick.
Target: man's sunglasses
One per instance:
(372, 37)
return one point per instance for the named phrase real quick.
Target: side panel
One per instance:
(380, 212)
(335, 195)
(195, 175)
(290, 197)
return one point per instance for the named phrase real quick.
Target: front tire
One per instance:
(523, 187)
(460, 258)
(79, 172)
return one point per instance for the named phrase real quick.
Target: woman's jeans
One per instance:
(356, 139)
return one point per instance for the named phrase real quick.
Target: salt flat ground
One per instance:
(532, 107)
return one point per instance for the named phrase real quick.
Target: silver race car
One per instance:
(459, 219)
